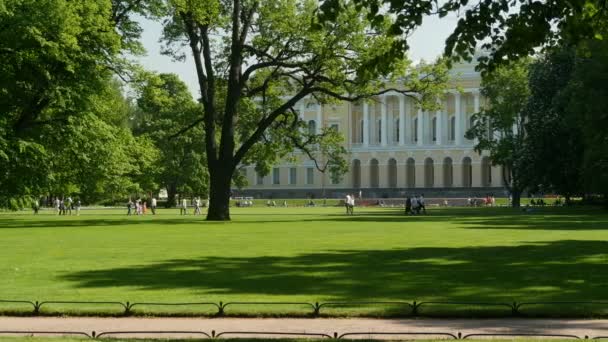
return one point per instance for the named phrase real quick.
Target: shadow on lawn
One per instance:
(560, 270)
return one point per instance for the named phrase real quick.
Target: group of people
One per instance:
(64, 206)
(140, 207)
(196, 202)
(415, 205)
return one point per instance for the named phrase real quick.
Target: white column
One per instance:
(365, 124)
(319, 118)
(439, 132)
(476, 110)
(383, 124)
(458, 113)
(419, 128)
(402, 120)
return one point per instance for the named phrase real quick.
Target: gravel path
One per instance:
(366, 327)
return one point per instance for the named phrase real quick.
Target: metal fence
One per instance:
(404, 308)
(409, 335)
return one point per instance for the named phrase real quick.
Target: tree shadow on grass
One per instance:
(560, 270)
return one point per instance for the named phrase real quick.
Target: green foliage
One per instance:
(165, 104)
(554, 140)
(588, 101)
(507, 29)
(63, 123)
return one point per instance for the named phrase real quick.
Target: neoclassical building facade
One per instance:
(395, 148)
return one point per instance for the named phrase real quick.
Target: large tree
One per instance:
(554, 140)
(256, 60)
(499, 127)
(588, 99)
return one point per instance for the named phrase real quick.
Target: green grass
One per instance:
(308, 255)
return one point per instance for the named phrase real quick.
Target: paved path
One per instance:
(580, 328)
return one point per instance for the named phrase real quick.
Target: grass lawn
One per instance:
(307, 255)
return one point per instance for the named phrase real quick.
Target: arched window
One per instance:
(486, 172)
(374, 174)
(448, 173)
(429, 173)
(467, 173)
(392, 173)
(452, 128)
(312, 127)
(410, 176)
(356, 172)
(415, 130)
(434, 128)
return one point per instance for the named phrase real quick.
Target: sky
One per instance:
(426, 43)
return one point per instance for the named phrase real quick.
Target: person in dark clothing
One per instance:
(408, 205)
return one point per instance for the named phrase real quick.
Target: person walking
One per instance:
(153, 205)
(68, 205)
(183, 210)
(57, 206)
(408, 205)
(347, 204)
(197, 206)
(78, 205)
(351, 204)
(129, 207)
(35, 206)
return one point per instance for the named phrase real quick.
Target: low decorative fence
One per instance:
(409, 309)
(409, 335)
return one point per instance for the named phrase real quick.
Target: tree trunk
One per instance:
(171, 192)
(219, 194)
(515, 198)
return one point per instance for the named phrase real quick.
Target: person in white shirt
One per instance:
(57, 205)
(184, 208)
(197, 206)
(347, 204)
(351, 204)
(153, 206)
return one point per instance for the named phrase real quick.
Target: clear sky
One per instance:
(426, 43)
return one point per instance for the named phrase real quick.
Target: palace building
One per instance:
(394, 148)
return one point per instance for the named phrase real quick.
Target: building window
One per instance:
(335, 127)
(396, 132)
(361, 132)
(434, 129)
(452, 128)
(276, 176)
(293, 175)
(259, 179)
(379, 138)
(310, 175)
(415, 128)
(312, 127)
